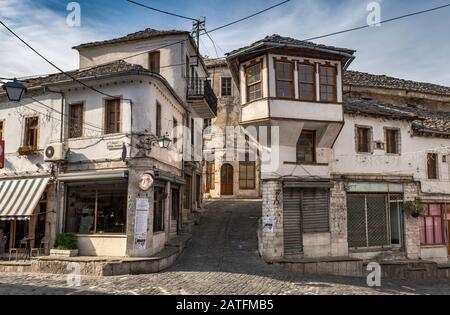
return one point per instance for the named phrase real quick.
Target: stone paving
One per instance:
(221, 259)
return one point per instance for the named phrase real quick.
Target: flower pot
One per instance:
(64, 253)
(415, 215)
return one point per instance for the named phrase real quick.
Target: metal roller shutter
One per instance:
(356, 221)
(293, 234)
(315, 210)
(377, 220)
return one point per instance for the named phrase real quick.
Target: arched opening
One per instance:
(226, 180)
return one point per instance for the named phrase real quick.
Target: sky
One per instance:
(415, 48)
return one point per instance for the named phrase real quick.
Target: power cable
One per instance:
(162, 11)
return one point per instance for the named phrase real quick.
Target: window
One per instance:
(175, 131)
(328, 84)
(97, 209)
(187, 67)
(158, 210)
(75, 121)
(158, 130)
(254, 82)
(247, 169)
(31, 132)
(1, 130)
(392, 141)
(112, 116)
(154, 61)
(431, 225)
(363, 140)
(285, 79)
(210, 176)
(226, 89)
(432, 166)
(306, 147)
(192, 132)
(307, 81)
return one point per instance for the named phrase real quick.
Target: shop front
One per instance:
(434, 231)
(24, 213)
(375, 219)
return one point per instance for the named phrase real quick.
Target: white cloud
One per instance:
(43, 29)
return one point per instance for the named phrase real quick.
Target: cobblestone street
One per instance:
(221, 259)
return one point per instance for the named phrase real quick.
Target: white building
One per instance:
(342, 168)
(85, 177)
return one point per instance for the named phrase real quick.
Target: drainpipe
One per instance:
(58, 166)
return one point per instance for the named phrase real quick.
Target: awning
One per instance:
(19, 198)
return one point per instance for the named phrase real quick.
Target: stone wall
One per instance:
(338, 220)
(271, 244)
(411, 225)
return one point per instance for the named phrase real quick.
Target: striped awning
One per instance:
(19, 198)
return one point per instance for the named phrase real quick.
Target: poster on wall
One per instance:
(141, 224)
(268, 224)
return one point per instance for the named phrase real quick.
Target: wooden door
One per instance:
(226, 180)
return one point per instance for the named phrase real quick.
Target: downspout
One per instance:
(58, 165)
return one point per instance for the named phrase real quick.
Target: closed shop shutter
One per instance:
(368, 220)
(305, 211)
(315, 209)
(377, 224)
(293, 234)
(357, 232)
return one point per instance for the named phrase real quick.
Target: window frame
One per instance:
(314, 134)
(260, 82)
(277, 79)
(370, 138)
(222, 80)
(398, 136)
(36, 135)
(158, 120)
(81, 120)
(151, 61)
(443, 222)
(2, 129)
(334, 100)
(117, 123)
(314, 83)
(436, 164)
(246, 165)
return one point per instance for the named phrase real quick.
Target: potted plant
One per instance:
(27, 150)
(414, 208)
(65, 246)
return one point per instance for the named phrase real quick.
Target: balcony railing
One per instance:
(200, 91)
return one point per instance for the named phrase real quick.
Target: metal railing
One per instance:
(202, 88)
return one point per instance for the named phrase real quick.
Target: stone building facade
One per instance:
(218, 182)
(353, 150)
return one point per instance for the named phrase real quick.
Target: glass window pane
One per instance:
(423, 238)
(254, 74)
(435, 210)
(429, 226)
(284, 89)
(438, 235)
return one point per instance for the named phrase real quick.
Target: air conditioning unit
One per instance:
(55, 152)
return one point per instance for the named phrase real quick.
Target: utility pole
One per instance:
(198, 27)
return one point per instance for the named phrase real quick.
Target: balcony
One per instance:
(202, 98)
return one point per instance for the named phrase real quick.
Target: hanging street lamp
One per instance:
(14, 90)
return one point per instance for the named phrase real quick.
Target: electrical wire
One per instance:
(162, 11)
(247, 17)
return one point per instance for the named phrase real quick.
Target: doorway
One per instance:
(227, 180)
(176, 208)
(448, 228)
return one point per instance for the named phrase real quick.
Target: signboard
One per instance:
(142, 204)
(140, 230)
(2, 154)
(141, 223)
